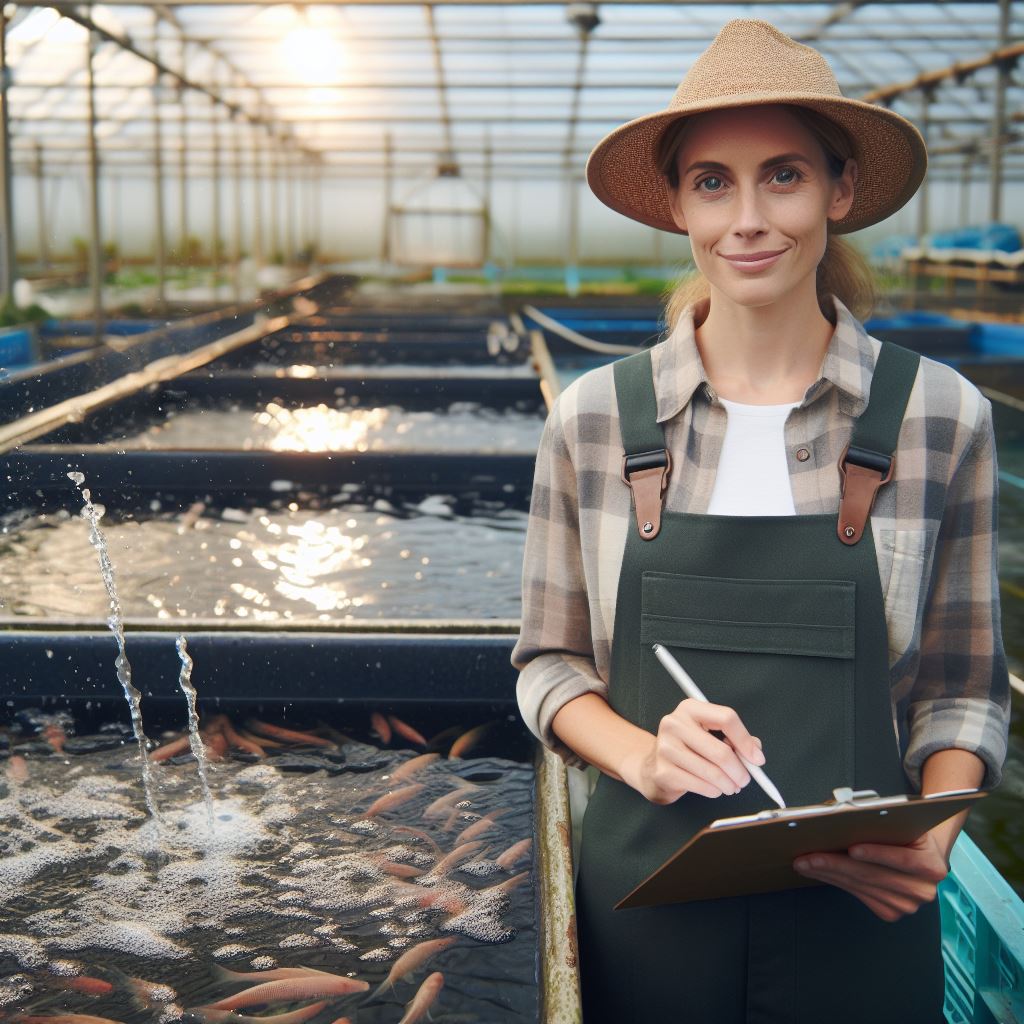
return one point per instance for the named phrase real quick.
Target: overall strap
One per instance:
(646, 463)
(867, 462)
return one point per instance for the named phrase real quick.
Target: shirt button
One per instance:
(802, 454)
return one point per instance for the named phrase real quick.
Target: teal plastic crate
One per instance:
(982, 941)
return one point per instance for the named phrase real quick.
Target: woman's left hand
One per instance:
(889, 880)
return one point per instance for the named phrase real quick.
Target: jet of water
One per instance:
(194, 739)
(92, 514)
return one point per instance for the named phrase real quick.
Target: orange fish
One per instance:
(412, 959)
(381, 727)
(469, 739)
(276, 732)
(54, 735)
(406, 731)
(480, 826)
(172, 749)
(393, 799)
(277, 974)
(510, 883)
(424, 998)
(64, 1018)
(82, 983)
(291, 990)
(413, 765)
(441, 807)
(514, 853)
(457, 856)
(419, 834)
(241, 742)
(17, 769)
(303, 1013)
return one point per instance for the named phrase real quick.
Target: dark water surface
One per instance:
(342, 561)
(294, 873)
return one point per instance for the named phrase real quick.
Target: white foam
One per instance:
(299, 941)
(130, 937)
(262, 963)
(230, 950)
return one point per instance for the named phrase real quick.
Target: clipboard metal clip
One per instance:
(846, 795)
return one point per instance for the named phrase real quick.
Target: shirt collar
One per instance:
(849, 360)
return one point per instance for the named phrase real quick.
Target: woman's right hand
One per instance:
(684, 756)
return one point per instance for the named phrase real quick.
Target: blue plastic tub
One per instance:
(982, 941)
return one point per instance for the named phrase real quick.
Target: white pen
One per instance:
(691, 689)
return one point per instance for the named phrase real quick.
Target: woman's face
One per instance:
(736, 198)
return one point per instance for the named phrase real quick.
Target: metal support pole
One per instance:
(385, 252)
(183, 245)
(318, 210)
(273, 155)
(922, 195)
(95, 241)
(488, 200)
(965, 189)
(158, 183)
(257, 201)
(8, 252)
(995, 198)
(216, 241)
(40, 175)
(291, 169)
(236, 225)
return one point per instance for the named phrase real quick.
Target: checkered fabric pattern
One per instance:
(934, 529)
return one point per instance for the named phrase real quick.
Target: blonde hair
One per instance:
(842, 272)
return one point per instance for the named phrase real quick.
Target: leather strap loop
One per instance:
(648, 487)
(858, 487)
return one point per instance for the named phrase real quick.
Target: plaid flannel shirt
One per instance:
(934, 528)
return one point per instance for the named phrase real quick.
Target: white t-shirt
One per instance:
(753, 478)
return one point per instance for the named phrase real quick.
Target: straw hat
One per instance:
(749, 63)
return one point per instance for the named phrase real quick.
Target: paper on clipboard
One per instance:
(755, 852)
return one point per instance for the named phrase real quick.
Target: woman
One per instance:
(691, 495)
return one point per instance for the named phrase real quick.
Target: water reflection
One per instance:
(344, 561)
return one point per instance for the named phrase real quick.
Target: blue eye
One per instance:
(704, 181)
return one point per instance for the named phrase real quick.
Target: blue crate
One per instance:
(982, 941)
(15, 348)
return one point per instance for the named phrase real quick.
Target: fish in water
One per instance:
(511, 883)
(291, 990)
(407, 732)
(424, 998)
(469, 739)
(17, 769)
(514, 853)
(172, 749)
(413, 959)
(442, 806)
(380, 726)
(63, 1018)
(413, 765)
(82, 983)
(147, 995)
(419, 834)
(276, 974)
(480, 826)
(393, 799)
(276, 732)
(457, 856)
(303, 1013)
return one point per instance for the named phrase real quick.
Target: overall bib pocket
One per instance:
(780, 652)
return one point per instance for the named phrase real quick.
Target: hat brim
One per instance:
(891, 156)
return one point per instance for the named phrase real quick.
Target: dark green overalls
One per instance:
(782, 619)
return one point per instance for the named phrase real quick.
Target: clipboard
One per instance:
(754, 853)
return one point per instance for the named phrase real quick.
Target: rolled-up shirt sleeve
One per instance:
(961, 694)
(554, 653)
